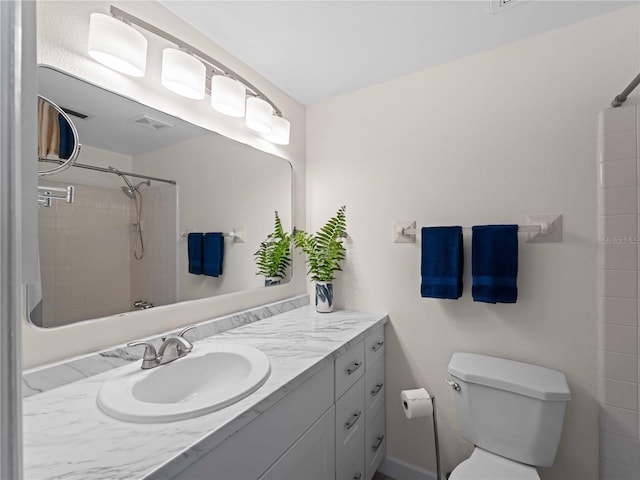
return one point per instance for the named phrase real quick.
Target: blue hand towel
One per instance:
(442, 260)
(213, 254)
(194, 251)
(494, 263)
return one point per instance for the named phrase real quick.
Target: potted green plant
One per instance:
(324, 253)
(274, 255)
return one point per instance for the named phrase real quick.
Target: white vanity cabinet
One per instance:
(331, 426)
(251, 451)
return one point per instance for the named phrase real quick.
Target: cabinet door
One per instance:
(312, 457)
(250, 451)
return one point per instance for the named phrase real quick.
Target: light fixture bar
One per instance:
(253, 90)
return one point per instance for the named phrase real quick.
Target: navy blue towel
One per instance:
(442, 260)
(494, 263)
(194, 250)
(213, 254)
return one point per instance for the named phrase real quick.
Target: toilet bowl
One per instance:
(483, 465)
(511, 411)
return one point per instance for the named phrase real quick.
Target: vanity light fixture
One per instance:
(280, 130)
(259, 115)
(185, 70)
(228, 95)
(183, 74)
(117, 45)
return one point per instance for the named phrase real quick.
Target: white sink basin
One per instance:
(211, 377)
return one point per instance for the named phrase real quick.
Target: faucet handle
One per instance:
(182, 332)
(149, 351)
(185, 330)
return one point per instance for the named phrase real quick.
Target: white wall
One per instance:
(62, 42)
(487, 139)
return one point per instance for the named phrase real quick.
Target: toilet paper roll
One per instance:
(416, 403)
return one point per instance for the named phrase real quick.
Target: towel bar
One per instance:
(541, 228)
(237, 234)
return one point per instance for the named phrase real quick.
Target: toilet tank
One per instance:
(510, 408)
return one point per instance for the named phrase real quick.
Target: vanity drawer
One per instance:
(350, 422)
(353, 465)
(375, 444)
(373, 390)
(374, 346)
(349, 368)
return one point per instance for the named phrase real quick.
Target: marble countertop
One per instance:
(66, 436)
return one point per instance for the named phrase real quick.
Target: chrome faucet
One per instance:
(172, 348)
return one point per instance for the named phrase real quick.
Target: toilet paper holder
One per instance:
(435, 428)
(435, 439)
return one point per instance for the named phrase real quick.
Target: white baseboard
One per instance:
(401, 470)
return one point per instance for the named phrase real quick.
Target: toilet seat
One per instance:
(483, 465)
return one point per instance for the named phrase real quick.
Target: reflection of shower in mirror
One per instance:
(133, 192)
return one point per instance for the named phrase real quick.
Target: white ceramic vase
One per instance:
(271, 281)
(324, 297)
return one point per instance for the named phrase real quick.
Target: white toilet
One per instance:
(511, 411)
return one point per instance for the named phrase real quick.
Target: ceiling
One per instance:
(315, 50)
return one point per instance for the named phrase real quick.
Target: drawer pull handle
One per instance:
(357, 476)
(377, 346)
(353, 367)
(378, 443)
(376, 390)
(354, 420)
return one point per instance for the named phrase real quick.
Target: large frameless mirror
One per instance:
(142, 183)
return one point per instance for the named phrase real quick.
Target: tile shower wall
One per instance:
(84, 255)
(154, 277)
(619, 137)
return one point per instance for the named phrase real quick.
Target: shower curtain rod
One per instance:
(620, 99)
(111, 170)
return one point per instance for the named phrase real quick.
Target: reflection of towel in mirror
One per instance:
(194, 252)
(66, 138)
(48, 130)
(213, 254)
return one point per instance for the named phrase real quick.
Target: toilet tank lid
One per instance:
(518, 377)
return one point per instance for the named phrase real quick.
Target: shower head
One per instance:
(131, 190)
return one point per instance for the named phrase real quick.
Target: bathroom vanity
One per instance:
(319, 415)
